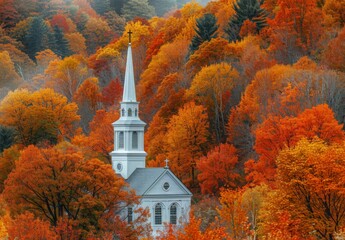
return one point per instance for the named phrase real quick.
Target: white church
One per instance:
(166, 197)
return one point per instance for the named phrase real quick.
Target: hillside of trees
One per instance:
(246, 98)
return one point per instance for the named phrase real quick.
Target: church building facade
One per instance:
(166, 197)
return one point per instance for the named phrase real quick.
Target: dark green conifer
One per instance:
(7, 136)
(246, 9)
(61, 47)
(163, 6)
(101, 6)
(206, 29)
(137, 8)
(117, 5)
(37, 37)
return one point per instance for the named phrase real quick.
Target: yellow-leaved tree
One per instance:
(41, 116)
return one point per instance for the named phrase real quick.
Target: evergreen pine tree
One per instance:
(117, 5)
(7, 135)
(246, 9)
(206, 29)
(163, 6)
(37, 37)
(61, 47)
(46, 8)
(137, 8)
(101, 6)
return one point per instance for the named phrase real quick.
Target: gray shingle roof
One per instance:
(143, 178)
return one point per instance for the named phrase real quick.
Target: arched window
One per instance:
(129, 112)
(123, 112)
(158, 214)
(130, 215)
(121, 140)
(173, 213)
(135, 140)
(136, 112)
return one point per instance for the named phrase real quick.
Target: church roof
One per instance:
(143, 179)
(129, 85)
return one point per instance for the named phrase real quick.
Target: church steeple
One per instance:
(128, 153)
(129, 85)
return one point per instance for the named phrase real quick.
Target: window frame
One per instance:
(135, 139)
(121, 143)
(158, 216)
(173, 216)
(129, 214)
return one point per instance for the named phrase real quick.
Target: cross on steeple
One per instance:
(130, 36)
(166, 163)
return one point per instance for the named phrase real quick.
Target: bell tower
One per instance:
(128, 151)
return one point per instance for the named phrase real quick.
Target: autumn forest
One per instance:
(246, 98)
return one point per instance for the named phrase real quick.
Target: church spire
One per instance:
(129, 153)
(129, 85)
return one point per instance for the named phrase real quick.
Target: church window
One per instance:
(136, 112)
(123, 112)
(158, 214)
(130, 215)
(173, 213)
(166, 186)
(129, 112)
(135, 140)
(121, 140)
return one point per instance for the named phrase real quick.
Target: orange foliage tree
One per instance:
(26, 226)
(210, 52)
(76, 43)
(233, 214)
(8, 13)
(311, 174)
(97, 33)
(87, 97)
(23, 64)
(167, 61)
(217, 169)
(65, 184)
(9, 76)
(296, 29)
(253, 108)
(333, 56)
(335, 12)
(112, 93)
(277, 219)
(66, 75)
(282, 91)
(212, 88)
(277, 133)
(43, 115)
(186, 141)
(100, 141)
(191, 231)
(239, 211)
(43, 60)
(7, 163)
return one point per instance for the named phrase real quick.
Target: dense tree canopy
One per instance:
(237, 94)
